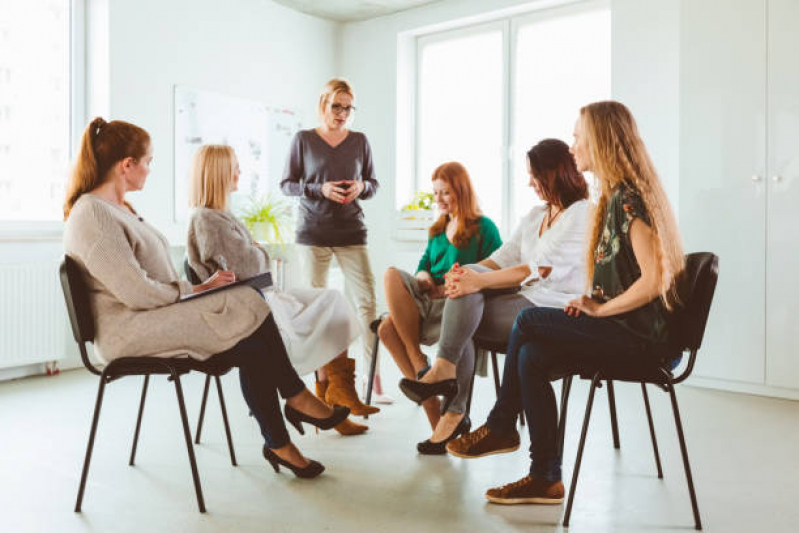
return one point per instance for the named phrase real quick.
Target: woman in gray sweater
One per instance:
(317, 324)
(136, 293)
(330, 168)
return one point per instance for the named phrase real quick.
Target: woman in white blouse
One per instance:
(544, 256)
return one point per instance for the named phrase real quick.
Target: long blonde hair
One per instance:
(618, 155)
(211, 174)
(465, 206)
(102, 146)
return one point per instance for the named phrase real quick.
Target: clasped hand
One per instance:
(342, 191)
(461, 281)
(584, 305)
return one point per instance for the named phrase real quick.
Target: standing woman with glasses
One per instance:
(331, 169)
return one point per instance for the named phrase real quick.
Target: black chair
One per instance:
(81, 318)
(374, 325)
(194, 279)
(686, 329)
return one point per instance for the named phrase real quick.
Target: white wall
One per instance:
(253, 49)
(138, 49)
(645, 75)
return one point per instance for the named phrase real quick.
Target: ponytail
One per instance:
(102, 145)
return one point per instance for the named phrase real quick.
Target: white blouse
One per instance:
(561, 247)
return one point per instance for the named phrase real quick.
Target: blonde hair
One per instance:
(102, 146)
(211, 176)
(330, 90)
(618, 155)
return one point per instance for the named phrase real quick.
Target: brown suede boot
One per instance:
(341, 387)
(346, 428)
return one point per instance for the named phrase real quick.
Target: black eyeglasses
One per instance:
(338, 108)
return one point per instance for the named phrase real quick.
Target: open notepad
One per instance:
(261, 281)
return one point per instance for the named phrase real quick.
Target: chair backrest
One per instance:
(191, 275)
(695, 288)
(76, 297)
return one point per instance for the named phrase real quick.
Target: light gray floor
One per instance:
(743, 451)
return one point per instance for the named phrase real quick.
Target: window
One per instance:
(486, 94)
(35, 107)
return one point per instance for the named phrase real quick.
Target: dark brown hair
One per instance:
(554, 168)
(102, 146)
(465, 206)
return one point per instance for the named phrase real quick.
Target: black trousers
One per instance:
(264, 370)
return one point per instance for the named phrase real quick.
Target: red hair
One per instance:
(102, 146)
(465, 207)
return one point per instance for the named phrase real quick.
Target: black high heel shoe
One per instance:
(296, 418)
(419, 392)
(429, 447)
(313, 469)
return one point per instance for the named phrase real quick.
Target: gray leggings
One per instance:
(492, 315)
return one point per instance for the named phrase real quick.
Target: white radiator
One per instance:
(33, 321)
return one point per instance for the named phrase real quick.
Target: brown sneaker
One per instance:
(528, 490)
(482, 441)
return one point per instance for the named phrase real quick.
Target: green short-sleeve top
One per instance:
(615, 266)
(440, 254)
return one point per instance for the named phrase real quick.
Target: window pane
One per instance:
(460, 112)
(561, 64)
(34, 108)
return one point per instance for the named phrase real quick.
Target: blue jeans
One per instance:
(546, 342)
(265, 370)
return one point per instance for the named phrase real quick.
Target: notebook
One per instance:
(261, 281)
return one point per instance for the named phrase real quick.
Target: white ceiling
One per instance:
(352, 10)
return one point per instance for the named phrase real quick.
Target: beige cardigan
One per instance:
(134, 288)
(215, 232)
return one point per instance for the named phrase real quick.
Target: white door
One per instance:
(722, 174)
(782, 259)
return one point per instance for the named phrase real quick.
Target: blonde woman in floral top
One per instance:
(633, 255)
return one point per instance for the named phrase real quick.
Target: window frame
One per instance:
(509, 26)
(52, 230)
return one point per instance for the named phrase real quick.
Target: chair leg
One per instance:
(225, 420)
(138, 420)
(372, 369)
(471, 385)
(614, 423)
(684, 450)
(565, 389)
(495, 368)
(189, 446)
(202, 409)
(580, 448)
(90, 446)
(652, 430)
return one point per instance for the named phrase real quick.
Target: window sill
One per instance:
(31, 231)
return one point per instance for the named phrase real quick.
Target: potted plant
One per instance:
(267, 217)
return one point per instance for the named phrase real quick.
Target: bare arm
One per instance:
(642, 291)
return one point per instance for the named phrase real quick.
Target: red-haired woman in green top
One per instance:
(461, 235)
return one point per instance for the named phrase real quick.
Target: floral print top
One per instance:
(615, 266)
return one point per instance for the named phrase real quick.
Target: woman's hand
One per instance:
(584, 305)
(333, 191)
(544, 272)
(425, 280)
(354, 191)
(462, 282)
(220, 278)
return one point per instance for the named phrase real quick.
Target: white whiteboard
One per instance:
(260, 134)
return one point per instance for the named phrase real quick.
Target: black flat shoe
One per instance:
(296, 418)
(313, 469)
(429, 447)
(419, 392)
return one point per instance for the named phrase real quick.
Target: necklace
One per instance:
(550, 217)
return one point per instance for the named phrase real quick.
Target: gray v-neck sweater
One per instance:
(311, 163)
